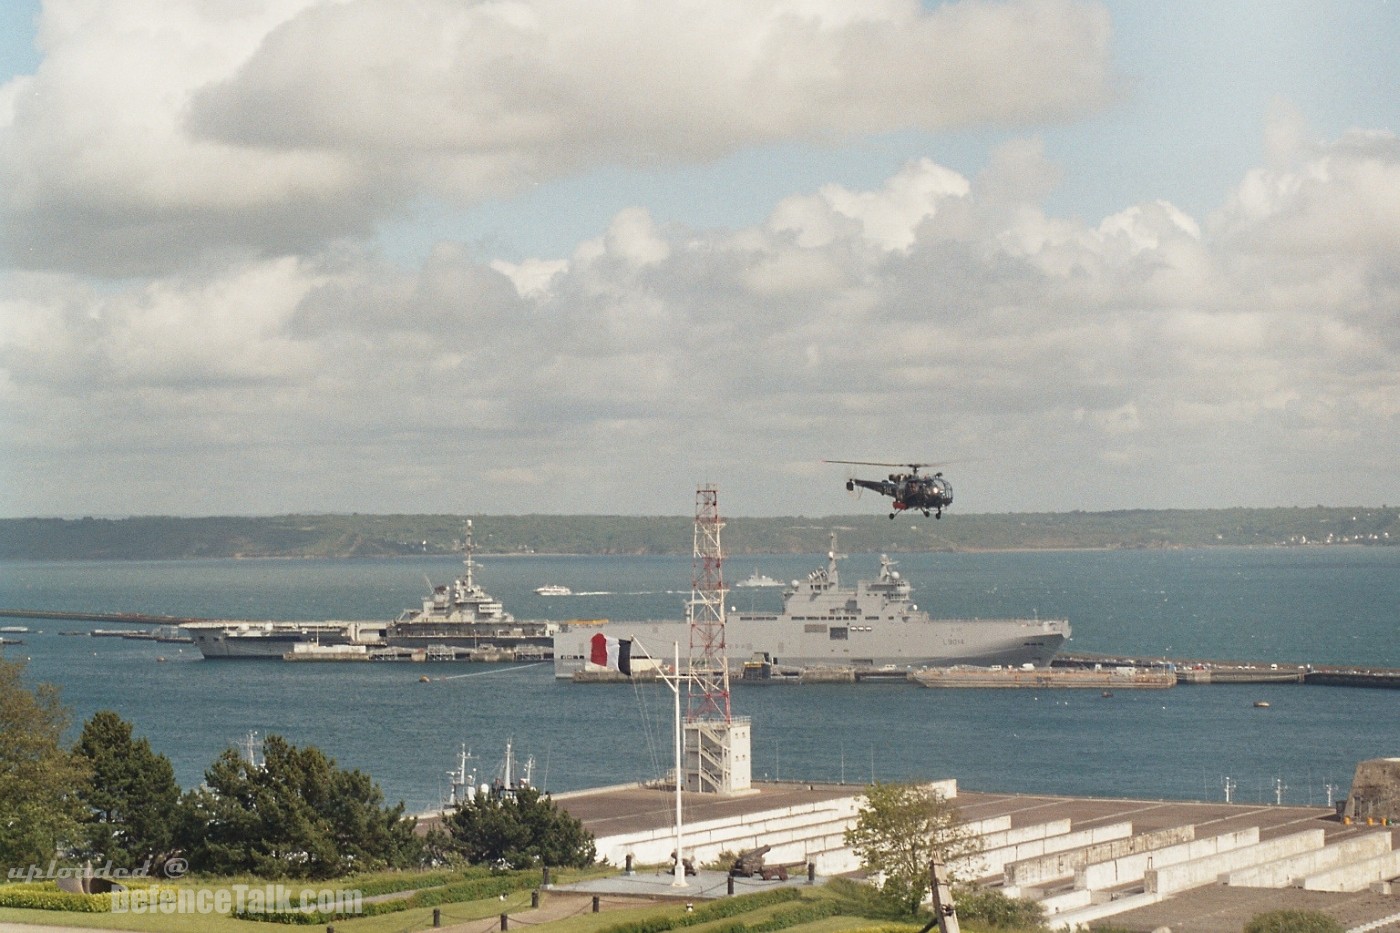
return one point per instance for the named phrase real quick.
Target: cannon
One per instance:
(749, 863)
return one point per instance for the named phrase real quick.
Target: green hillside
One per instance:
(164, 538)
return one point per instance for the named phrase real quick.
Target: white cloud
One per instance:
(888, 219)
(202, 323)
(1153, 353)
(531, 277)
(155, 132)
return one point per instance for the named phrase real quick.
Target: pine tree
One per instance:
(517, 830)
(133, 800)
(295, 815)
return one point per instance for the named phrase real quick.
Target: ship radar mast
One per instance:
(250, 745)
(462, 781)
(468, 562)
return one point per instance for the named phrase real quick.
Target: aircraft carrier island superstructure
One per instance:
(463, 615)
(873, 625)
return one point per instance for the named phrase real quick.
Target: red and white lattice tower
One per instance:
(717, 745)
(708, 691)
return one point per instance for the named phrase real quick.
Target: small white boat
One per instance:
(553, 589)
(758, 579)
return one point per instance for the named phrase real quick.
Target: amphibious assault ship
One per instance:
(873, 625)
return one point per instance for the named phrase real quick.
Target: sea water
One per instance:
(1324, 605)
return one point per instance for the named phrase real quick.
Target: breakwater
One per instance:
(120, 618)
(1198, 672)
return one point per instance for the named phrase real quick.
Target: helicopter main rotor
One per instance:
(913, 467)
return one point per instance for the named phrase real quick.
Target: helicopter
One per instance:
(912, 490)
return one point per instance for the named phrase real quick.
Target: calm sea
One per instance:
(1324, 605)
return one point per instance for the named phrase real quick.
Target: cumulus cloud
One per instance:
(1137, 361)
(155, 131)
(197, 318)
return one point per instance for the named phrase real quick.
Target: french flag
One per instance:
(613, 653)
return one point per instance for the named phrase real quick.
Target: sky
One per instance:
(585, 256)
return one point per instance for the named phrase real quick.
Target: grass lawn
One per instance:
(419, 918)
(559, 912)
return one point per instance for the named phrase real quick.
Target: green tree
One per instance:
(133, 800)
(39, 778)
(900, 828)
(296, 815)
(520, 829)
(1293, 921)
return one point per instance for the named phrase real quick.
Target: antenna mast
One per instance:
(717, 746)
(708, 690)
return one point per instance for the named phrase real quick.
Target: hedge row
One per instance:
(45, 895)
(715, 910)
(374, 886)
(470, 889)
(48, 897)
(793, 916)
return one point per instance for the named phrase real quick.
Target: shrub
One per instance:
(1293, 921)
(992, 908)
(48, 897)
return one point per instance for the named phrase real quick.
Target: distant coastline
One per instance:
(360, 535)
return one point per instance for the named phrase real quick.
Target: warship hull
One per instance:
(534, 638)
(873, 625)
(894, 645)
(272, 640)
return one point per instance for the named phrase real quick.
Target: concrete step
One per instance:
(1208, 870)
(1133, 868)
(993, 862)
(1075, 918)
(1283, 872)
(1355, 877)
(1061, 866)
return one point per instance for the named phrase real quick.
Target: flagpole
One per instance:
(680, 881)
